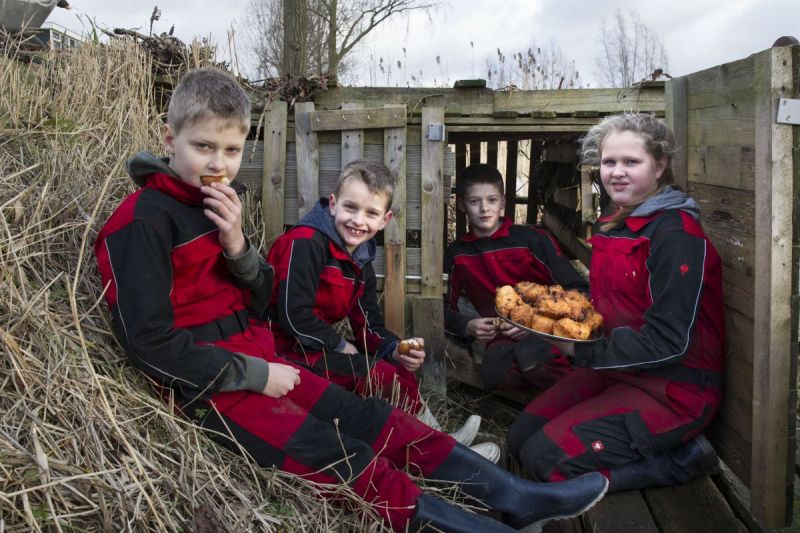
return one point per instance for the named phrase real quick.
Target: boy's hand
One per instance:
(512, 332)
(282, 380)
(413, 359)
(224, 209)
(482, 329)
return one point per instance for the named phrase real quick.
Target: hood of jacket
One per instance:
(668, 198)
(320, 219)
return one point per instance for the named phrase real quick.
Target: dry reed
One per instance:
(84, 445)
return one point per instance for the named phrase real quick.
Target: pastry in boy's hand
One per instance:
(208, 180)
(405, 347)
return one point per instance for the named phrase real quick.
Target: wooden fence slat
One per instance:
(424, 310)
(675, 114)
(352, 140)
(394, 294)
(512, 154)
(358, 119)
(533, 176)
(474, 151)
(273, 177)
(307, 148)
(432, 205)
(771, 483)
(461, 164)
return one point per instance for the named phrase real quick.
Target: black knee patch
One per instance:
(540, 456)
(521, 430)
(345, 364)
(361, 418)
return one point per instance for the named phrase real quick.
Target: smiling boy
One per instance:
(496, 252)
(324, 274)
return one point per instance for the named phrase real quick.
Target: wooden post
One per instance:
(533, 176)
(491, 153)
(461, 164)
(432, 253)
(474, 153)
(675, 113)
(588, 215)
(307, 148)
(511, 179)
(771, 482)
(394, 292)
(352, 140)
(273, 177)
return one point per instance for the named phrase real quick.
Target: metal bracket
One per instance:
(436, 131)
(789, 111)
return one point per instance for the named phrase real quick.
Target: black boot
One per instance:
(680, 464)
(433, 514)
(522, 502)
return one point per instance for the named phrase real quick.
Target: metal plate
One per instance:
(789, 111)
(547, 335)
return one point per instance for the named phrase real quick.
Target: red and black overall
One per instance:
(476, 266)
(653, 381)
(319, 283)
(184, 320)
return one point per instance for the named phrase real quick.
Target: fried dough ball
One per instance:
(542, 323)
(553, 307)
(595, 320)
(507, 299)
(522, 315)
(577, 297)
(407, 345)
(566, 327)
(531, 291)
(208, 180)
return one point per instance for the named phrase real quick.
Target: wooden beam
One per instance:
(394, 294)
(273, 176)
(474, 152)
(461, 164)
(572, 100)
(358, 119)
(307, 149)
(533, 178)
(352, 140)
(588, 216)
(676, 117)
(565, 236)
(432, 206)
(491, 153)
(771, 483)
(511, 178)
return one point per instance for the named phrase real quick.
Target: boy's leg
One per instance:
(620, 425)
(580, 385)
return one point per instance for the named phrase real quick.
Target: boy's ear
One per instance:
(386, 218)
(460, 205)
(169, 139)
(332, 204)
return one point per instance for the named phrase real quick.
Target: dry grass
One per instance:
(83, 444)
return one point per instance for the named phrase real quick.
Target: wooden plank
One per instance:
(675, 115)
(696, 505)
(424, 310)
(432, 208)
(474, 152)
(307, 150)
(273, 174)
(533, 185)
(394, 157)
(461, 164)
(588, 215)
(455, 101)
(491, 153)
(566, 237)
(770, 481)
(724, 165)
(621, 512)
(721, 85)
(352, 118)
(512, 154)
(721, 126)
(352, 139)
(572, 100)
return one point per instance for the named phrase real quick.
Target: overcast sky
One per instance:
(696, 33)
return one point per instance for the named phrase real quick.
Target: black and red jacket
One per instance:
(165, 273)
(657, 281)
(514, 253)
(319, 283)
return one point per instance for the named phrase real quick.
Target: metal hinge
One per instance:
(789, 111)
(436, 132)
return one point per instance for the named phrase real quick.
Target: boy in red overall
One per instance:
(635, 407)
(324, 274)
(495, 252)
(185, 287)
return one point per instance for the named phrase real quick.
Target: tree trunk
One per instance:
(333, 53)
(295, 28)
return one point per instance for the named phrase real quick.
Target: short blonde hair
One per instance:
(208, 93)
(376, 176)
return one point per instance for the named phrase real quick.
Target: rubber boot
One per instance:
(465, 435)
(522, 502)
(433, 514)
(678, 465)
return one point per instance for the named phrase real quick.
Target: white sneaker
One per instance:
(488, 450)
(468, 431)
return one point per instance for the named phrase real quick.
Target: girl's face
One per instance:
(627, 170)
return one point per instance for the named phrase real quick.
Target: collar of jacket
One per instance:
(502, 231)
